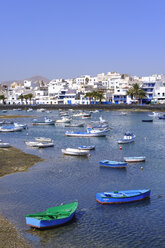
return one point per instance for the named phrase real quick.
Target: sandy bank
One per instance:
(13, 160)
(15, 116)
(9, 237)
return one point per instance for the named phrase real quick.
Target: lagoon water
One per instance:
(63, 179)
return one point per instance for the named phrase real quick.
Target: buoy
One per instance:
(120, 148)
(141, 168)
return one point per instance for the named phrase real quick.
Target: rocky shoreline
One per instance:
(13, 160)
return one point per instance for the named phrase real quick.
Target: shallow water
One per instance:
(63, 179)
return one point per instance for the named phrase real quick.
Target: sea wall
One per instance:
(149, 107)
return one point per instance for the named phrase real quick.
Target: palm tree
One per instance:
(136, 89)
(21, 97)
(141, 95)
(130, 93)
(90, 96)
(95, 95)
(26, 97)
(30, 97)
(2, 97)
(100, 96)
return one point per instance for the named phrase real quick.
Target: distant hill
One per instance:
(33, 79)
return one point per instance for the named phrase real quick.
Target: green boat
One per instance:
(52, 217)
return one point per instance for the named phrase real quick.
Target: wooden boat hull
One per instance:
(52, 217)
(14, 129)
(112, 164)
(44, 224)
(75, 153)
(72, 134)
(141, 194)
(125, 141)
(134, 159)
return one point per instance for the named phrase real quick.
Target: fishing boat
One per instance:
(63, 120)
(41, 110)
(39, 144)
(86, 116)
(86, 147)
(74, 152)
(100, 127)
(75, 125)
(128, 138)
(4, 145)
(113, 164)
(20, 125)
(10, 128)
(154, 114)
(30, 110)
(43, 139)
(89, 133)
(52, 217)
(147, 120)
(46, 121)
(78, 114)
(162, 117)
(134, 159)
(122, 196)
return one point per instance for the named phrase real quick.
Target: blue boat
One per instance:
(162, 117)
(128, 138)
(113, 164)
(89, 133)
(86, 147)
(122, 196)
(149, 120)
(52, 216)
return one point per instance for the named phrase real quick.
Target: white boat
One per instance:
(89, 133)
(29, 110)
(75, 125)
(41, 110)
(20, 125)
(123, 113)
(154, 114)
(134, 159)
(86, 116)
(46, 121)
(4, 145)
(86, 147)
(4, 111)
(43, 139)
(64, 120)
(78, 114)
(10, 129)
(95, 111)
(38, 144)
(128, 138)
(74, 152)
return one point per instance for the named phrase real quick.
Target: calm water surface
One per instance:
(63, 179)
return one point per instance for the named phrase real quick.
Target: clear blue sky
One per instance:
(68, 38)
